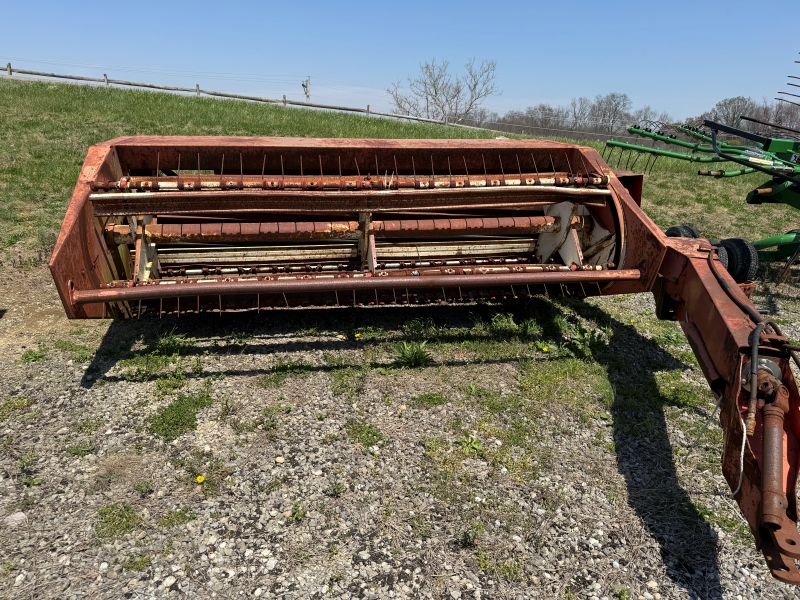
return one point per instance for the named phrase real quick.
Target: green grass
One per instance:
(80, 449)
(412, 355)
(115, 521)
(78, 352)
(280, 371)
(361, 432)
(10, 406)
(30, 356)
(428, 400)
(137, 563)
(180, 415)
(173, 518)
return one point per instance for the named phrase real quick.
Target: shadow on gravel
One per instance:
(233, 332)
(644, 454)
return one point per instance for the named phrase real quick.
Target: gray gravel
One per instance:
(590, 520)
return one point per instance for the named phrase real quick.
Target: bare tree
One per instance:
(579, 110)
(729, 110)
(436, 94)
(610, 110)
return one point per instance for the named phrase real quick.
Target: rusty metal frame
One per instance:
(123, 208)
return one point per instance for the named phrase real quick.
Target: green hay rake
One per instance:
(779, 158)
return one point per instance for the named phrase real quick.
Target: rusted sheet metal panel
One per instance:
(76, 253)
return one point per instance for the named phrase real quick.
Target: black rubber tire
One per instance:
(723, 255)
(692, 229)
(682, 231)
(742, 259)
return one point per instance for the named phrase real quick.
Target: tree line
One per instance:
(435, 93)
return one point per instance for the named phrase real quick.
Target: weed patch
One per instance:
(80, 449)
(78, 352)
(13, 405)
(428, 400)
(282, 370)
(173, 518)
(116, 520)
(180, 415)
(361, 432)
(412, 355)
(30, 356)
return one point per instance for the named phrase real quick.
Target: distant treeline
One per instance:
(609, 116)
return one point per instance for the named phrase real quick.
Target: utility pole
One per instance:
(307, 89)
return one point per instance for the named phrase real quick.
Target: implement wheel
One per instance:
(742, 259)
(683, 231)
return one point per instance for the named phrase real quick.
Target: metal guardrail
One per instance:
(9, 72)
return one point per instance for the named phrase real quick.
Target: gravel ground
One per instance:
(326, 471)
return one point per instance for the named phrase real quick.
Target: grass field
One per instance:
(47, 128)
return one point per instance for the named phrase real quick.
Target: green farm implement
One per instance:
(776, 157)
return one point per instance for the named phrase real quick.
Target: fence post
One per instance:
(197, 88)
(8, 67)
(106, 78)
(284, 99)
(367, 109)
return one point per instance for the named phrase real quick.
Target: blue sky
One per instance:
(678, 56)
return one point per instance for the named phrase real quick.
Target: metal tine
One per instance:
(178, 171)
(158, 163)
(321, 176)
(160, 307)
(502, 172)
(414, 170)
(519, 166)
(302, 177)
(535, 168)
(552, 164)
(341, 186)
(285, 300)
(377, 170)
(569, 166)
(485, 174)
(653, 164)
(443, 294)
(466, 170)
(450, 171)
(139, 312)
(395, 170)
(357, 169)
(241, 169)
(283, 176)
(337, 297)
(220, 305)
(263, 168)
(197, 310)
(636, 159)
(222, 168)
(433, 174)
(585, 169)
(179, 306)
